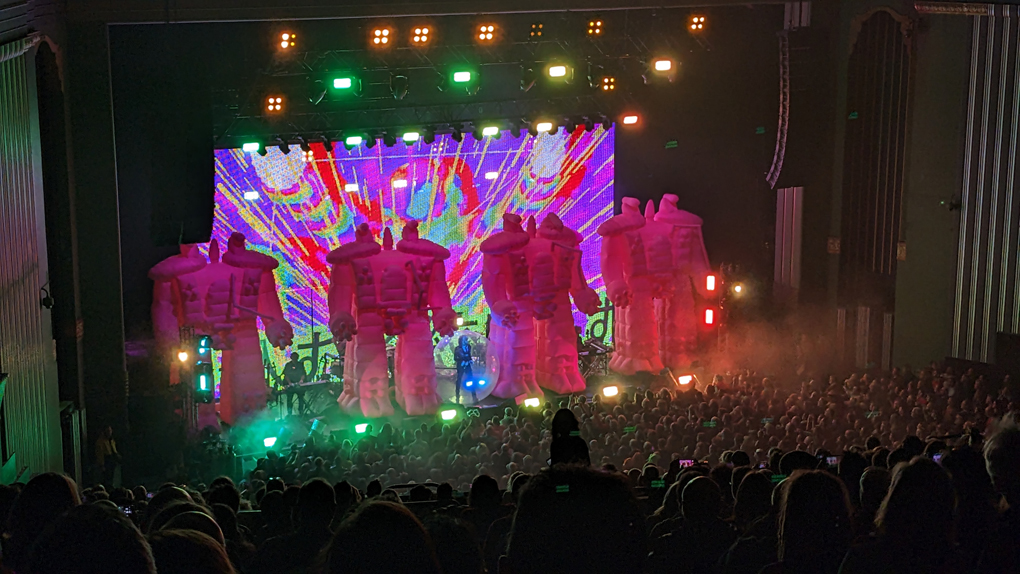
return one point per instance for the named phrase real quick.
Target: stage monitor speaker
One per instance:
(180, 143)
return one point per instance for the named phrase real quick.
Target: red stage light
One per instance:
(709, 316)
(710, 283)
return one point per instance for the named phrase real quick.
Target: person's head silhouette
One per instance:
(814, 519)
(91, 539)
(571, 519)
(381, 538)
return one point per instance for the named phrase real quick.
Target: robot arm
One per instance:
(614, 257)
(164, 314)
(494, 283)
(444, 319)
(277, 329)
(585, 298)
(341, 299)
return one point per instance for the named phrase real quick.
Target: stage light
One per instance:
(284, 147)
(491, 175)
(685, 379)
(608, 83)
(536, 31)
(460, 321)
(307, 156)
(457, 135)
(399, 183)
(570, 126)
(361, 428)
(528, 77)
(430, 136)
(610, 391)
(389, 139)
(589, 124)
(263, 151)
(662, 65)
(353, 141)
(203, 382)
(533, 402)
(486, 33)
(370, 142)
(462, 77)
(251, 195)
(274, 104)
(398, 86)
(182, 356)
(420, 36)
(343, 83)
(269, 442)
(410, 137)
(709, 316)
(738, 288)
(490, 131)
(557, 71)
(594, 28)
(543, 127)
(250, 146)
(287, 40)
(381, 37)
(630, 120)
(351, 187)
(696, 23)
(449, 414)
(710, 283)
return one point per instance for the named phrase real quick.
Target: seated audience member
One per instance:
(1002, 457)
(814, 525)
(572, 520)
(43, 499)
(91, 539)
(188, 552)
(456, 548)
(703, 536)
(298, 552)
(976, 500)
(753, 500)
(381, 538)
(874, 486)
(484, 506)
(275, 517)
(239, 549)
(915, 526)
(162, 499)
(197, 520)
(499, 531)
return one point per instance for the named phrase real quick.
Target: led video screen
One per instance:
(299, 206)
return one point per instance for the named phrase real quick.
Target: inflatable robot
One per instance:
(376, 290)
(677, 311)
(555, 246)
(223, 299)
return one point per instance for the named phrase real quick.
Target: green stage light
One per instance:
(448, 414)
(361, 428)
(343, 83)
(250, 146)
(462, 77)
(269, 441)
(410, 137)
(490, 130)
(353, 141)
(203, 382)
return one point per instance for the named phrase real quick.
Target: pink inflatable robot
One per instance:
(678, 315)
(636, 261)
(223, 299)
(427, 289)
(377, 291)
(556, 246)
(517, 293)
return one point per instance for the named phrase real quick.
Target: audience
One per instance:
(871, 474)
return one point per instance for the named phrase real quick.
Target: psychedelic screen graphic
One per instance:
(299, 206)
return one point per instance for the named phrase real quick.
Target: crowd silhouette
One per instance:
(902, 472)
